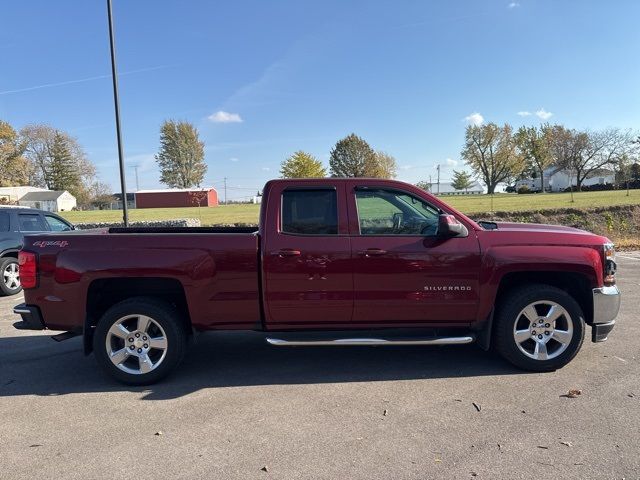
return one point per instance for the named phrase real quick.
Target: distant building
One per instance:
(445, 188)
(117, 203)
(11, 195)
(557, 179)
(177, 197)
(49, 200)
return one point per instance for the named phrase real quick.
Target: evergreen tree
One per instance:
(63, 173)
(461, 180)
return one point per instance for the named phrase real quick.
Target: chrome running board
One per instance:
(371, 341)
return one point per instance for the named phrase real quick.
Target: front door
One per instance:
(306, 259)
(403, 272)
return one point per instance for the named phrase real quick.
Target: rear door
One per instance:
(403, 272)
(308, 280)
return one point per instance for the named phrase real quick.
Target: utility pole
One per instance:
(438, 168)
(135, 167)
(114, 76)
(225, 190)
(430, 185)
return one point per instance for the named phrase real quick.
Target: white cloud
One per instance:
(225, 117)
(406, 167)
(524, 113)
(234, 159)
(513, 5)
(451, 162)
(474, 119)
(265, 169)
(543, 114)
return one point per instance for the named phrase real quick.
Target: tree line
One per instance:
(498, 154)
(43, 156)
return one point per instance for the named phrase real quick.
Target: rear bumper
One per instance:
(606, 304)
(31, 317)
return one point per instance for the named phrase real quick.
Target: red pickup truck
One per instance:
(334, 262)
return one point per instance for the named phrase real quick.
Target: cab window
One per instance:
(56, 224)
(309, 212)
(392, 212)
(31, 222)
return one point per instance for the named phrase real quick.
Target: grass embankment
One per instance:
(225, 214)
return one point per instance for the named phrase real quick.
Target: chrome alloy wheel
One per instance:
(11, 276)
(543, 330)
(136, 344)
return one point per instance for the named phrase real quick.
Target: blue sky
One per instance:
(287, 75)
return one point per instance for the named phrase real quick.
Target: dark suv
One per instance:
(14, 223)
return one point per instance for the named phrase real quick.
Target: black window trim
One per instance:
(390, 189)
(310, 188)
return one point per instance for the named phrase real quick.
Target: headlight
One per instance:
(609, 264)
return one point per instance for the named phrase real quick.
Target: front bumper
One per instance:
(606, 304)
(31, 317)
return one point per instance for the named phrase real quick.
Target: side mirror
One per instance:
(449, 226)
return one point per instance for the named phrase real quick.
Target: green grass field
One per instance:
(470, 205)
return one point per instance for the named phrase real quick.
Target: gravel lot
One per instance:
(238, 405)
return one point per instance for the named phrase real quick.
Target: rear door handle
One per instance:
(373, 252)
(287, 252)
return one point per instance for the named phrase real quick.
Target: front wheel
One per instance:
(140, 341)
(539, 328)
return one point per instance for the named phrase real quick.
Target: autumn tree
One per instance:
(381, 165)
(302, 165)
(351, 157)
(101, 195)
(181, 155)
(14, 168)
(490, 151)
(462, 180)
(533, 143)
(57, 160)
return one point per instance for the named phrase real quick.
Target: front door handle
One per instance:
(287, 252)
(373, 252)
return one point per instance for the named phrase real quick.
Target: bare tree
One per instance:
(40, 152)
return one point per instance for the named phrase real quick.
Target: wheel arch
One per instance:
(103, 293)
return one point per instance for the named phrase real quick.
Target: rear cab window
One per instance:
(309, 211)
(31, 222)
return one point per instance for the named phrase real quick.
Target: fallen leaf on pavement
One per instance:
(544, 447)
(573, 393)
(385, 413)
(567, 444)
(478, 407)
(158, 433)
(265, 469)
(35, 445)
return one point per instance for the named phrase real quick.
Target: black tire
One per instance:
(166, 318)
(4, 288)
(508, 320)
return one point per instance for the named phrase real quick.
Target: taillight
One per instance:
(28, 269)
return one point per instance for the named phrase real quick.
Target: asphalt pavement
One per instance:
(238, 408)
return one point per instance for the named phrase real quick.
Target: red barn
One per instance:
(177, 197)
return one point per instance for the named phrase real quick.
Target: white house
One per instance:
(557, 179)
(446, 188)
(14, 194)
(49, 200)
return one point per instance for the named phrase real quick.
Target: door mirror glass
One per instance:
(449, 226)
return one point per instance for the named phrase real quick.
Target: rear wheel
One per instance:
(9, 276)
(140, 341)
(539, 328)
